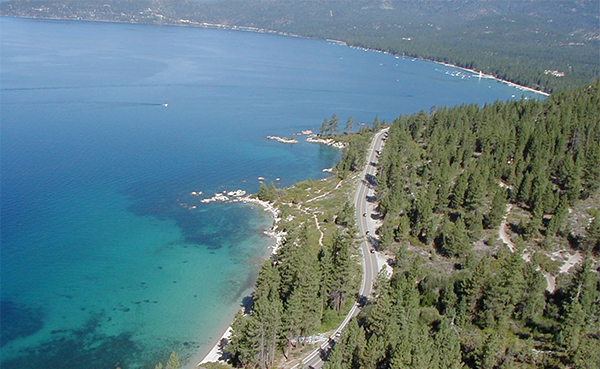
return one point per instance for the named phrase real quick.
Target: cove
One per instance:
(106, 129)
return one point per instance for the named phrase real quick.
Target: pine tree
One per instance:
(558, 219)
(570, 175)
(476, 190)
(532, 304)
(592, 240)
(494, 217)
(386, 233)
(346, 215)
(453, 238)
(539, 196)
(421, 217)
(584, 288)
(586, 354)
(349, 124)
(241, 344)
(263, 192)
(474, 223)
(591, 167)
(332, 127)
(403, 228)
(327, 276)
(422, 355)
(572, 327)
(447, 345)
(376, 123)
(349, 350)
(493, 351)
(271, 192)
(173, 362)
(442, 180)
(525, 187)
(300, 289)
(324, 127)
(341, 262)
(267, 312)
(375, 349)
(460, 188)
(503, 291)
(448, 301)
(401, 357)
(302, 316)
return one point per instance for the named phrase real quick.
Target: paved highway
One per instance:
(366, 227)
(364, 210)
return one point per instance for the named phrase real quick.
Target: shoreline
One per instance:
(216, 352)
(473, 71)
(193, 24)
(490, 76)
(313, 138)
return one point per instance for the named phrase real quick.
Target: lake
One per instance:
(106, 129)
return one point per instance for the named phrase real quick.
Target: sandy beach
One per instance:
(489, 76)
(473, 71)
(216, 353)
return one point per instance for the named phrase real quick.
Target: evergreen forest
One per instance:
(448, 180)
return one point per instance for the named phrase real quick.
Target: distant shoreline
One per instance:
(206, 25)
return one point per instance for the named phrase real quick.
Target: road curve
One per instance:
(366, 228)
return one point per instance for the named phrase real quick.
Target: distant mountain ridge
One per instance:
(522, 41)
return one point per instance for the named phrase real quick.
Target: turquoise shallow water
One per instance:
(103, 261)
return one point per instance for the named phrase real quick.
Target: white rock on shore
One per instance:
(217, 197)
(283, 139)
(237, 193)
(306, 132)
(326, 141)
(240, 196)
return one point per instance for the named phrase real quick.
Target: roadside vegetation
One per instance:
(306, 288)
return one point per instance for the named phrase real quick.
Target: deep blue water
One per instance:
(103, 261)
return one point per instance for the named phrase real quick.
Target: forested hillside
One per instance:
(459, 296)
(455, 170)
(548, 45)
(450, 182)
